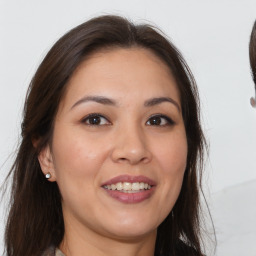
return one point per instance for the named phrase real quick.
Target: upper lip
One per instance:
(131, 179)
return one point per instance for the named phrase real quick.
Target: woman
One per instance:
(252, 53)
(109, 162)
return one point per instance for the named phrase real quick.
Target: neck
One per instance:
(78, 241)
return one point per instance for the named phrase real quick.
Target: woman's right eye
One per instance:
(95, 119)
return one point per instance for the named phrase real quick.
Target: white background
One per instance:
(213, 37)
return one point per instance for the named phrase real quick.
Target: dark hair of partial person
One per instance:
(252, 53)
(35, 220)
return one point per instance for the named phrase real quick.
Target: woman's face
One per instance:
(119, 145)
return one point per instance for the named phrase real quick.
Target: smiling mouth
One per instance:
(128, 187)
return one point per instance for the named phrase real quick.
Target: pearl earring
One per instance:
(48, 175)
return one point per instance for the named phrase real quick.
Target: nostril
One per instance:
(131, 152)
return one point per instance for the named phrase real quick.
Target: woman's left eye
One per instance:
(95, 119)
(160, 120)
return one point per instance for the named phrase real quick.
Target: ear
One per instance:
(46, 162)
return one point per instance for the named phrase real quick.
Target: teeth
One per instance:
(142, 185)
(119, 186)
(128, 187)
(136, 186)
(113, 186)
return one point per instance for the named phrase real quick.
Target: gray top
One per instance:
(53, 252)
(58, 252)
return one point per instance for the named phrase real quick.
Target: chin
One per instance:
(131, 229)
(134, 235)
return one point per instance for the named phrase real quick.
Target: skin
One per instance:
(124, 141)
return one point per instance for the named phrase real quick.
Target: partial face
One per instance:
(119, 145)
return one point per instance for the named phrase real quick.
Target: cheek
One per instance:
(172, 154)
(171, 157)
(77, 158)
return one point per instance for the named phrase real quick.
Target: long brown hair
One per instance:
(35, 220)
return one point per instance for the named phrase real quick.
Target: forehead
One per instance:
(122, 71)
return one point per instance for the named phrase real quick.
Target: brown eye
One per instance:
(159, 120)
(155, 120)
(95, 119)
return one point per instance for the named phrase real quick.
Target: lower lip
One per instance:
(131, 198)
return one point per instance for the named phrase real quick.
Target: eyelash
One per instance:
(86, 119)
(168, 120)
(94, 115)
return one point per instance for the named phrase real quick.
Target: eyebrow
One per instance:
(98, 99)
(159, 100)
(107, 101)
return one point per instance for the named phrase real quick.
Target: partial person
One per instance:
(111, 156)
(252, 54)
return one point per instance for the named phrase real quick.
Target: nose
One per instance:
(131, 146)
